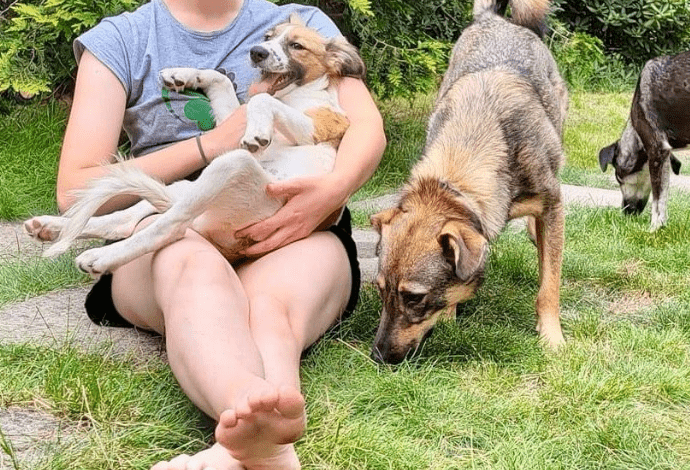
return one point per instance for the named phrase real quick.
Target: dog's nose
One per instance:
(632, 207)
(258, 54)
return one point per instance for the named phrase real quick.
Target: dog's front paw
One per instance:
(95, 262)
(179, 78)
(659, 219)
(44, 228)
(254, 144)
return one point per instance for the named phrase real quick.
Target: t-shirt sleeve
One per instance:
(106, 41)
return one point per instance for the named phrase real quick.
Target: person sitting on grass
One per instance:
(234, 333)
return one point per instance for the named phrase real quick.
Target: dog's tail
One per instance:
(527, 13)
(121, 180)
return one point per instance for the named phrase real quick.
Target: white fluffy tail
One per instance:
(121, 180)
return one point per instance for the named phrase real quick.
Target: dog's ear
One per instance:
(464, 248)
(675, 164)
(607, 155)
(343, 60)
(296, 19)
(383, 218)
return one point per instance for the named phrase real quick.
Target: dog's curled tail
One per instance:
(121, 180)
(527, 13)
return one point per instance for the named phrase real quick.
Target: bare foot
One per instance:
(261, 430)
(215, 457)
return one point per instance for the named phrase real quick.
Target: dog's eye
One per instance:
(296, 46)
(412, 299)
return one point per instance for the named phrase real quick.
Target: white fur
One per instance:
(229, 193)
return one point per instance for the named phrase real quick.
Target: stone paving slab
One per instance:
(47, 432)
(58, 318)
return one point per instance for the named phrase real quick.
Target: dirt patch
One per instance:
(632, 303)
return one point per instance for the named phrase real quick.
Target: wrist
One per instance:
(341, 188)
(226, 135)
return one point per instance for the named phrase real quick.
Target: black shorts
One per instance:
(101, 310)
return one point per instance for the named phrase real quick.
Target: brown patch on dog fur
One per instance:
(533, 206)
(329, 125)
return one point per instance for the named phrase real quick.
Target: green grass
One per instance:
(481, 394)
(31, 137)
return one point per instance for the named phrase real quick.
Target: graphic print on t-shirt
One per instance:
(197, 108)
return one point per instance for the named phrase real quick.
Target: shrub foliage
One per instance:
(405, 44)
(637, 30)
(36, 39)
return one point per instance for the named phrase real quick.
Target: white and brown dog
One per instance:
(293, 130)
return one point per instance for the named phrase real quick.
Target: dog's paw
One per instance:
(254, 145)
(255, 141)
(179, 78)
(659, 220)
(95, 262)
(44, 228)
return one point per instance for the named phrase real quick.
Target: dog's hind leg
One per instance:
(233, 182)
(550, 234)
(114, 226)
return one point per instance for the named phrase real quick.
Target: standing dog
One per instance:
(291, 131)
(659, 121)
(492, 153)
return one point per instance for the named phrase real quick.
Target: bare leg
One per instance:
(295, 294)
(189, 293)
(221, 354)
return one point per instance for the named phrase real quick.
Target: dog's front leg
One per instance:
(223, 178)
(660, 176)
(549, 237)
(217, 87)
(264, 113)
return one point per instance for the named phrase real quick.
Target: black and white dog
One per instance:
(659, 122)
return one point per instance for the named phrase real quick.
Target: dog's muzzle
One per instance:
(386, 352)
(634, 207)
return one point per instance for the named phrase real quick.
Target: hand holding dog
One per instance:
(309, 201)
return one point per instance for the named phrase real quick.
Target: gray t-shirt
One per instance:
(136, 46)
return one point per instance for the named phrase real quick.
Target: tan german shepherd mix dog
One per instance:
(492, 154)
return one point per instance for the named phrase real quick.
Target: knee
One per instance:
(189, 262)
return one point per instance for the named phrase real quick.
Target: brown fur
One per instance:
(329, 126)
(492, 153)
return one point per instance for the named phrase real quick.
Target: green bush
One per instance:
(585, 66)
(636, 30)
(36, 39)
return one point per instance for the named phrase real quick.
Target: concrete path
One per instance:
(58, 318)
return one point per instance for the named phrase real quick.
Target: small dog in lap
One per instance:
(292, 130)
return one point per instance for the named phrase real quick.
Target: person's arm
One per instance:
(93, 130)
(312, 199)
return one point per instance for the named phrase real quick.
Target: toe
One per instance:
(265, 401)
(290, 402)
